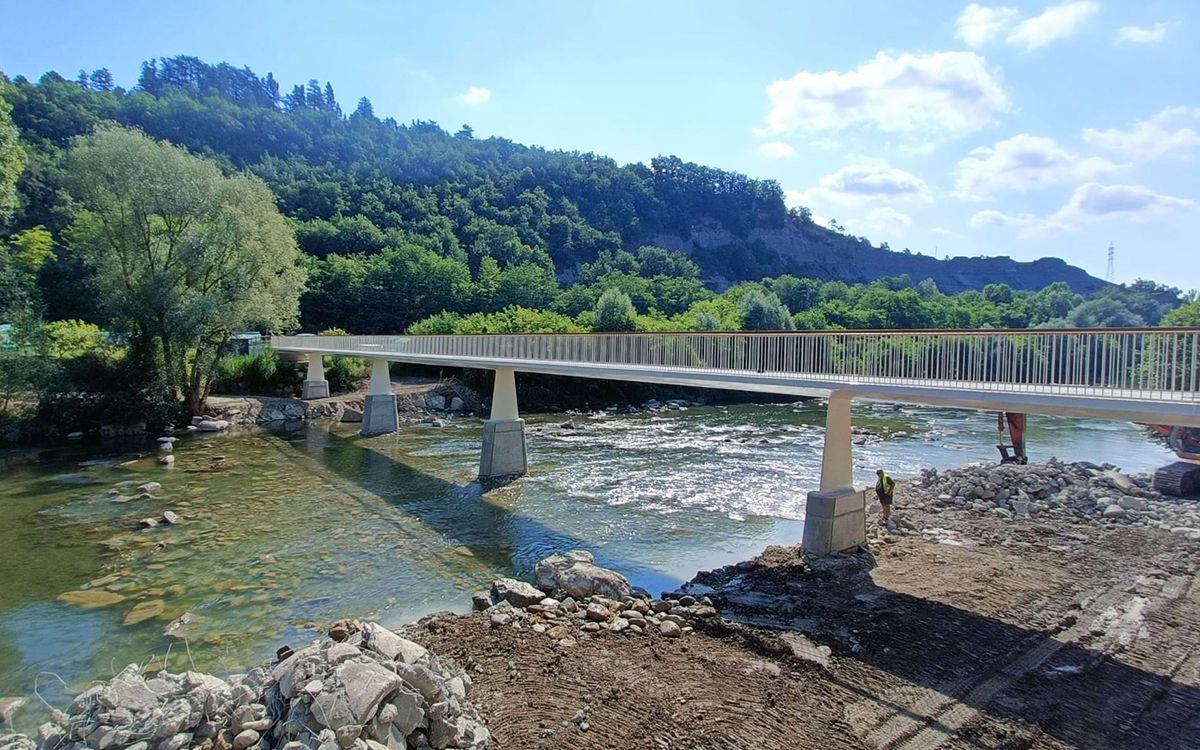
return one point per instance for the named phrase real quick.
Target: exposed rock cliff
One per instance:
(806, 249)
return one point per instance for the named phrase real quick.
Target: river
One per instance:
(302, 526)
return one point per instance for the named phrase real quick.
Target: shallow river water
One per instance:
(303, 526)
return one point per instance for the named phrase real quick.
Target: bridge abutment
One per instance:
(835, 516)
(315, 384)
(379, 409)
(503, 453)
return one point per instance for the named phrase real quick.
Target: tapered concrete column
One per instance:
(315, 384)
(379, 409)
(837, 460)
(835, 516)
(503, 453)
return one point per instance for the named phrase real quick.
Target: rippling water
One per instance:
(304, 526)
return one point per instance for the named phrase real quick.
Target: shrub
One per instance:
(255, 373)
(344, 373)
(72, 338)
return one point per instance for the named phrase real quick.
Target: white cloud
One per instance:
(776, 150)
(940, 93)
(1090, 203)
(978, 25)
(991, 217)
(864, 183)
(885, 221)
(1021, 163)
(475, 95)
(1143, 35)
(1137, 202)
(1162, 134)
(1055, 22)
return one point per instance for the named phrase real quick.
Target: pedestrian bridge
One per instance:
(1141, 375)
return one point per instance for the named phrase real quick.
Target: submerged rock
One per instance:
(91, 598)
(144, 611)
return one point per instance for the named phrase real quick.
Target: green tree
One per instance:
(12, 156)
(72, 338)
(615, 312)
(527, 286)
(762, 311)
(183, 255)
(1184, 316)
(1104, 312)
(33, 247)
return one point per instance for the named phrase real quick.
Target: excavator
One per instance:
(1181, 478)
(1014, 451)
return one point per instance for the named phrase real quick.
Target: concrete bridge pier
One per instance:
(503, 453)
(379, 409)
(835, 518)
(315, 384)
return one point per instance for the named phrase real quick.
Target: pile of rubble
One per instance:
(1081, 490)
(576, 598)
(365, 688)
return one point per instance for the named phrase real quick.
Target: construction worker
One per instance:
(884, 489)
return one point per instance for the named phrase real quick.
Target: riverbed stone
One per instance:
(366, 685)
(517, 593)
(9, 706)
(144, 611)
(576, 575)
(384, 641)
(91, 598)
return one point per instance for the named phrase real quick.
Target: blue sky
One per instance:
(1013, 128)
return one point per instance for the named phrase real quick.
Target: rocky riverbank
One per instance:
(1006, 607)
(364, 687)
(1075, 492)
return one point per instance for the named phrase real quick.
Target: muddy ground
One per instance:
(967, 631)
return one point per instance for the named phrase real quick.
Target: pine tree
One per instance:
(295, 101)
(331, 104)
(363, 110)
(102, 80)
(313, 95)
(271, 87)
(82, 79)
(148, 80)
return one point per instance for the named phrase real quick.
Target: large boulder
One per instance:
(576, 574)
(516, 593)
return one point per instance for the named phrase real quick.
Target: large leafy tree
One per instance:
(762, 311)
(614, 312)
(183, 255)
(12, 157)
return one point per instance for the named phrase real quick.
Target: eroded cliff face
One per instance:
(809, 250)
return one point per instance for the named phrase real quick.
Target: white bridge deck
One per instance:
(1141, 375)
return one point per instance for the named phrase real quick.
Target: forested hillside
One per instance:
(142, 227)
(356, 185)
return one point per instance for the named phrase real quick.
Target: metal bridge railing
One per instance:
(1155, 364)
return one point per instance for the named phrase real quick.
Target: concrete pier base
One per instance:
(314, 389)
(835, 521)
(503, 452)
(379, 414)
